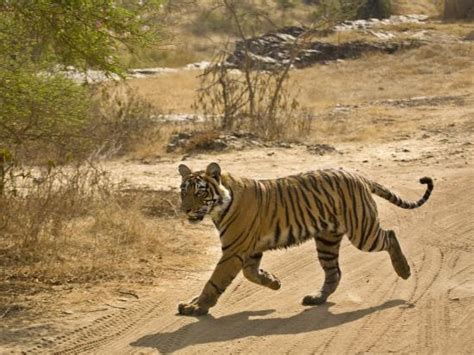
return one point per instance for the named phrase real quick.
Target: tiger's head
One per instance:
(202, 192)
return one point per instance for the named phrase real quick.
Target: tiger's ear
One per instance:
(214, 170)
(184, 170)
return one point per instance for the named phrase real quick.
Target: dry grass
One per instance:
(72, 225)
(169, 92)
(426, 7)
(346, 36)
(429, 70)
(459, 29)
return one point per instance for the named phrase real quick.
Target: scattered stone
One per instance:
(321, 149)
(383, 35)
(469, 36)
(284, 145)
(204, 141)
(458, 100)
(198, 66)
(212, 141)
(181, 118)
(373, 22)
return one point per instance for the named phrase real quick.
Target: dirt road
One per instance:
(372, 311)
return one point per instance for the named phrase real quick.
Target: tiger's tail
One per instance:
(385, 193)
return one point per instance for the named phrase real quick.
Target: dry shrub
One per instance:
(73, 225)
(37, 205)
(219, 18)
(251, 98)
(254, 100)
(120, 121)
(427, 7)
(202, 141)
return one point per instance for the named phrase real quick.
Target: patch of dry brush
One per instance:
(72, 225)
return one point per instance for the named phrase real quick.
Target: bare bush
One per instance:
(251, 99)
(38, 205)
(72, 224)
(120, 119)
(256, 101)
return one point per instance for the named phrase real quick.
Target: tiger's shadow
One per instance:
(240, 325)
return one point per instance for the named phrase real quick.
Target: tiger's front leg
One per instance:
(226, 270)
(253, 272)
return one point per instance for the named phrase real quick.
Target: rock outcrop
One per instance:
(278, 49)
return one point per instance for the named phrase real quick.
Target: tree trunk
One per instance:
(458, 9)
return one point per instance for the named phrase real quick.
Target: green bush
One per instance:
(43, 114)
(40, 114)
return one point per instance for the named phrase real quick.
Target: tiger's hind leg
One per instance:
(399, 261)
(253, 272)
(327, 246)
(386, 240)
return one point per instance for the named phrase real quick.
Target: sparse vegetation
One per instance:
(52, 197)
(119, 121)
(73, 225)
(254, 100)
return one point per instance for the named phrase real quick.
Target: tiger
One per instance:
(253, 216)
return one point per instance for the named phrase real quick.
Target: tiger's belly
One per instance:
(285, 238)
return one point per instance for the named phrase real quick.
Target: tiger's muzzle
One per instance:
(196, 216)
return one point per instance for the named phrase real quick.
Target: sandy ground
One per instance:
(372, 311)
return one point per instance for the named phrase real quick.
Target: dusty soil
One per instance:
(372, 311)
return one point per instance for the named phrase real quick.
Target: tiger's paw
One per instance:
(399, 261)
(191, 309)
(314, 300)
(274, 284)
(269, 280)
(401, 266)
